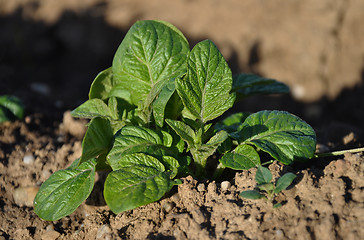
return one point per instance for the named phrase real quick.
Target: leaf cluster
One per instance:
(155, 115)
(266, 188)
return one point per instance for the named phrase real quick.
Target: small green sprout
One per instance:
(266, 188)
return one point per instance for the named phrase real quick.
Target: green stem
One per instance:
(218, 171)
(199, 163)
(338, 153)
(266, 163)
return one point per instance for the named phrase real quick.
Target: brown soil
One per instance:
(53, 49)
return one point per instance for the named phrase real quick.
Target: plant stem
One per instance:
(338, 153)
(218, 171)
(266, 163)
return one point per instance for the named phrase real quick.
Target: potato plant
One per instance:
(156, 115)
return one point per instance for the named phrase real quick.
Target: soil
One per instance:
(51, 51)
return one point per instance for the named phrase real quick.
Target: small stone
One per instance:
(225, 185)
(341, 166)
(50, 227)
(167, 207)
(201, 187)
(50, 235)
(28, 158)
(103, 231)
(298, 91)
(46, 174)
(279, 233)
(24, 196)
(175, 197)
(28, 119)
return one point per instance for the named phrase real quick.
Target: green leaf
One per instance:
(284, 181)
(225, 146)
(233, 123)
(205, 90)
(284, 136)
(184, 131)
(11, 108)
(243, 157)
(91, 109)
(263, 175)
(152, 53)
(172, 165)
(97, 140)
(277, 205)
(251, 194)
(120, 92)
(160, 104)
(133, 139)
(131, 187)
(102, 85)
(167, 139)
(268, 187)
(130, 160)
(64, 191)
(246, 84)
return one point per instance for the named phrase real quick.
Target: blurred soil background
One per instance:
(50, 52)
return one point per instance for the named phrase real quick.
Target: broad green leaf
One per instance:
(130, 160)
(247, 84)
(251, 194)
(268, 187)
(152, 53)
(233, 123)
(74, 164)
(11, 108)
(183, 130)
(284, 136)
(64, 191)
(284, 181)
(92, 108)
(97, 140)
(205, 90)
(172, 165)
(102, 85)
(160, 103)
(133, 139)
(120, 92)
(263, 175)
(84, 166)
(167, 139)
(131, 187)
(225, 146)
(174, 107)
(243, 157)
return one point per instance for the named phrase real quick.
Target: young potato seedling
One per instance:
(266, 188)
(156, 115)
